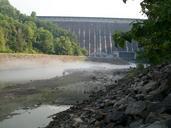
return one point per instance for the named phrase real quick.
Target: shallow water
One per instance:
(39, 72)
(32, 118)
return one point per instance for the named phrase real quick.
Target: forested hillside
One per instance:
(21, 33)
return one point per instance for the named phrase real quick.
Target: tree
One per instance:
(4, 2)
(20, 41)
(22, 33)
(45, 41)
(2, 40)
(63, 46)
(33, 14)
(30, 34)
(7, 9)
(153, 34)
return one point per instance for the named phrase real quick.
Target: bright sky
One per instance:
(85, 8)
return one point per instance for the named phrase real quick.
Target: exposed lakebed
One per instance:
(59, 83)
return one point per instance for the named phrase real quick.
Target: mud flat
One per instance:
(28, 83)
(67, 90)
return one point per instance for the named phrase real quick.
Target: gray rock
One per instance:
(145, 78)
(83, 126)
(135, 108)
(99, 116)
(97, 123)
(78, 120)
(143, 126)
(135, 124)
(137, 87)
(110, 125)
(92, 121)
(153, 117)
(156, 75)
(168, 123)
(140, 96)
(157, 124)
(150, 86)
(141, 83)
(167, 103)
(156, 107)
(163, 88)
(116, 117)
(125, 100)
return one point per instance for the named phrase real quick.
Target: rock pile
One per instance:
(142, 101)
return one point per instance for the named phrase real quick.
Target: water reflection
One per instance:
(32, 118)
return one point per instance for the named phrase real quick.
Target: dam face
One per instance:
(95, 34)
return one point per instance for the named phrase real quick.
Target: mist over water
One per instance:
(27, 71)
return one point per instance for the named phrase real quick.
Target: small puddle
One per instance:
(32, 118)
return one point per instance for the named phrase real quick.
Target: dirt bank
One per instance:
(139, 100)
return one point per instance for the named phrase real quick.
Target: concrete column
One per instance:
(84, 38)
(79, 33)
(100, 42)
(110, 39)
(127, 49)
(89, 43)
(132, 47)
(94, 43)
(105, 44)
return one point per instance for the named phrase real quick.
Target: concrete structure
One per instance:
(95, 34)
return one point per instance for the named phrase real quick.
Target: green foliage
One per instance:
(63, 46)
(21, 33)
(117, 38)
(44, 41)
(153, 34)
(2, 41)
(33, 15)
(6, 8)
(66, 46)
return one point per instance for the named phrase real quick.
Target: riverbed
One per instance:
(43, 86)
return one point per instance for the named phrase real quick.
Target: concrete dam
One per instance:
(95, 34)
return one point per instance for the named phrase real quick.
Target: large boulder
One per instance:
(117, 117)
(135, 108)
(151, 85)
(167, 103)
(157, 124)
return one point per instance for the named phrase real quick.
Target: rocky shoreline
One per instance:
(136, 101)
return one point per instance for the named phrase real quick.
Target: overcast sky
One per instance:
(85, 8)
